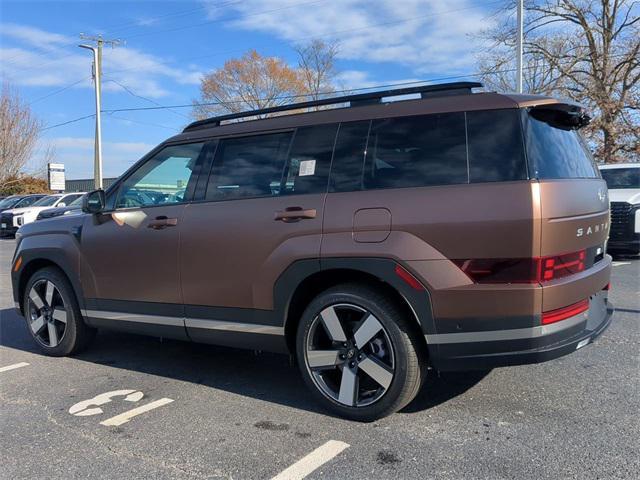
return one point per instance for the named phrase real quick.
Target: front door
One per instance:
(262, 211)
(131, 253)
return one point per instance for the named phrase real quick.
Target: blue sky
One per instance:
(169, 45)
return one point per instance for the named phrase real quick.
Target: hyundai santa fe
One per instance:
(446, 229)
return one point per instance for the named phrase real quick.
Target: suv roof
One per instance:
(441, 98)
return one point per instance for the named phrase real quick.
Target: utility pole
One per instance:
(97, 76)
(520, 40)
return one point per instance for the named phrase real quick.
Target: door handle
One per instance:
(295, 214)
(162, 222)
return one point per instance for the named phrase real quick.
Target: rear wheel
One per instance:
(358, 353)
(52, 314)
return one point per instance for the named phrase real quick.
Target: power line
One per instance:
(49, 127)
(143, 123)
(60, 90)
(131, 92)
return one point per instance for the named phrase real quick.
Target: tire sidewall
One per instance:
(69, 340)
(390, 401)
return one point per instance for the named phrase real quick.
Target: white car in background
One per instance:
(623, 181)
(14, 218)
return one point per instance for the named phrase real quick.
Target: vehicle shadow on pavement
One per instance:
(237, 371)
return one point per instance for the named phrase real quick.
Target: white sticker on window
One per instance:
(307, 167)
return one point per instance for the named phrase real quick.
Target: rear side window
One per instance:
(307, 169)
(417, 151)
(496, 152)
(348, 157)
(555, 151)
(248, 166)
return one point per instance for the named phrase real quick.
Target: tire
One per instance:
(377, 371)
(52, 314)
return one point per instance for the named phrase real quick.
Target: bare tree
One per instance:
(19, 131)
(248, 83)
(317, 67)
(587, 50)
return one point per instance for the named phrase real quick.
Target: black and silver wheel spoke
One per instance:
(349, 355)
(47, 313)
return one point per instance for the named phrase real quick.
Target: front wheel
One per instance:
(358, 353)
(52, 314)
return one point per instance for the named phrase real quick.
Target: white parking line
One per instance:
(13, 367)
(617, 264)
(314, 460)
(128, 415)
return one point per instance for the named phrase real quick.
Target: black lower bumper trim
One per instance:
(463, 360)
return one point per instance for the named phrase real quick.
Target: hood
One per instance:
(630, 195)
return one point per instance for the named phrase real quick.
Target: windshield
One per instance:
(9, 202)
(555, 150)
(621, 177)
(46, 201)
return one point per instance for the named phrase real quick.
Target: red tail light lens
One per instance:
(553, 316)
(523, 270)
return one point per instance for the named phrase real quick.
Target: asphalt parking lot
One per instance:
(211, 412)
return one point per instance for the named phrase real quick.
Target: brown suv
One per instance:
(373, 241)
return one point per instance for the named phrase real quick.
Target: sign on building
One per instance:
(56, 176)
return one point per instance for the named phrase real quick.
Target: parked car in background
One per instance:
(19, 201)
(11, 220)
(623, 181)
(74, 207)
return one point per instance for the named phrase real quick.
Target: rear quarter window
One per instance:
(496, 150)
(416, 152)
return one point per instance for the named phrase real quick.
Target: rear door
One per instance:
(261, 211)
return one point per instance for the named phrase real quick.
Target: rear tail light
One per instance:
(563, 313)
(523, 270)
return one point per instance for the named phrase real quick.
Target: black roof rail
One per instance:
(359, 99)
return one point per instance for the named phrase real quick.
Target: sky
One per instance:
(167, 46)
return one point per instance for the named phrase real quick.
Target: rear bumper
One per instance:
(498, 348)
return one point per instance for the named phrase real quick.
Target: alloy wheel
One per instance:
(349, 355)
(47, 313)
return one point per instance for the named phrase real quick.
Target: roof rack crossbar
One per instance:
(360, 99)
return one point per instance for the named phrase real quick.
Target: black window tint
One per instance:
(248, 166)
(417, 151)
(307, 169)
(496, 153)
(555, 150)
(348, 157)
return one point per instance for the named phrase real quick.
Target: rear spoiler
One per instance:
(562, 115)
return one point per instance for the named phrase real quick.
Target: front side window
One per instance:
(554, 149)
(248, 167)
(417, 152)
(161, 180)
(621, 177)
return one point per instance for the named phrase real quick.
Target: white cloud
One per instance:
(432, 36)
(57, 62)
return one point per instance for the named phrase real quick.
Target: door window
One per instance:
(307, 169)
(248, 167)
(348, 158)
(163, 179)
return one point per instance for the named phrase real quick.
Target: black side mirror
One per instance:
(94, 201)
